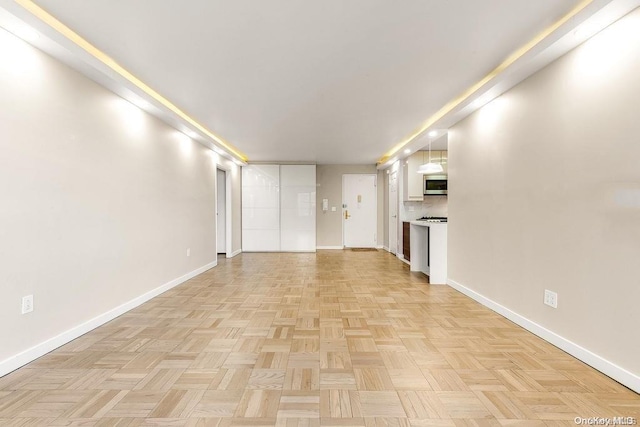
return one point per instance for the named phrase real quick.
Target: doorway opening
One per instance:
(223, 212)
(393, 212)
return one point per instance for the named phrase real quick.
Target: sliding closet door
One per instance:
(298, 208)
(261, 208)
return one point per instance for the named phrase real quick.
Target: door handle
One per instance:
(394, 216)
(346, 215)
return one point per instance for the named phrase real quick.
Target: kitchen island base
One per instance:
(428, 243)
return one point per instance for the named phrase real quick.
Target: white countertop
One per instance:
(427, 223)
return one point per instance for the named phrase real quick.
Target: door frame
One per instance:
(397, 205)
(228, 209)
(375, 175)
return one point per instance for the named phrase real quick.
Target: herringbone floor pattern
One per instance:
(337, 338)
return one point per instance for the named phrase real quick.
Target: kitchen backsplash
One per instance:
(431, 206)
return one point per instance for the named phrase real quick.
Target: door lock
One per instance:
(346, 215)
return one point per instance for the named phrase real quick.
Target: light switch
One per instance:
(325, 204)
(333, 208)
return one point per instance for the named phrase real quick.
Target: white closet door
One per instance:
(298, 208)
(261, 208)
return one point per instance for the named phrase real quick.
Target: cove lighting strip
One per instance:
(71, 35)
(451, 105)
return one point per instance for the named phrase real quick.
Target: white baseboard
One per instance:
(16, 361)
(608, 368)
(401, 258)
(386, 248)
(341, 247)
(234, 253)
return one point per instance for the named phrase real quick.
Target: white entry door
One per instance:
(359, 211)
(393, 212)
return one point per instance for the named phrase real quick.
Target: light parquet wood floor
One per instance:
(337, 338)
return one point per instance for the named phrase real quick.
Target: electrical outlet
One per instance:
(27, 304)
(551, 298)
(188, 251)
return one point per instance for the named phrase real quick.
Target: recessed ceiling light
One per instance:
(407, 151)
(433, 133)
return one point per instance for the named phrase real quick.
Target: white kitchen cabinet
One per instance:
(412, 182)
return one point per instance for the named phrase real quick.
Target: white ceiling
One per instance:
(329, 81)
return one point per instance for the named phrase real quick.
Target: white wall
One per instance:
(98, 200)
(544, 193)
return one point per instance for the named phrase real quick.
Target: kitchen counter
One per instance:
(429, 250)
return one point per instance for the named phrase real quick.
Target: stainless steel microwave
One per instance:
(435, 185)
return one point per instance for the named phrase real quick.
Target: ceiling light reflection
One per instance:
(27, 34)
(131, 115)
(18, 58)
(608, 51)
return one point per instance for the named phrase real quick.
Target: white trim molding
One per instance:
(608, 368)
(232, 254)
(338, 248)
(18, 360)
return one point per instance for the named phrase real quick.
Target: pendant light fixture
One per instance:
(429, 167)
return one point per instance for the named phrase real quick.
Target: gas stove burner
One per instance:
(433, 219)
